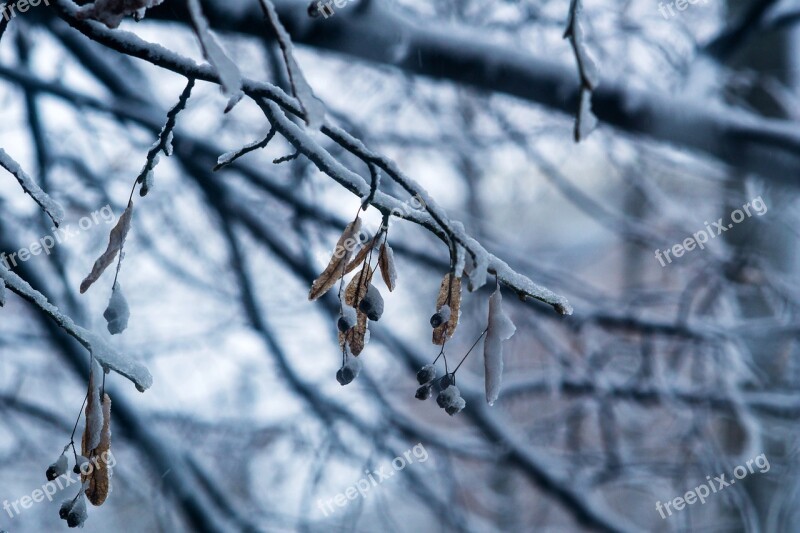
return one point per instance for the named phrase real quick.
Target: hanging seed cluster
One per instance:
(93, 463)
(361, 302)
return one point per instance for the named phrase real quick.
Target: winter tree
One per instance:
(272, 265)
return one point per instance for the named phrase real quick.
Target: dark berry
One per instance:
(423, 393)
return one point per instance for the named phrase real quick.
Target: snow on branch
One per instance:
(276, 103)
(107, 356)
(229, 76)
(32, 189)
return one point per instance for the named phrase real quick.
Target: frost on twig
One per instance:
(268, 97)
(164, 142)
(32, 189)
(105, 355)
(312, 107)
(585, 120)
(229, 76)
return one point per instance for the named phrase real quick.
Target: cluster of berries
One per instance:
(72, 510)
(448, 396)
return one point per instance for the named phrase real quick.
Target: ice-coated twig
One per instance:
(275, 103)
(228, 158)
(32, 189)
(585, 121)
(107, 356)
(229, 76)
(312, 107)
(164, 142)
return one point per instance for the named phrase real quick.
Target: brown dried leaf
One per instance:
(357, 288)
(99, 477)
(386, 264)
(357, 336)
(115, 241)
(336, 266)
(446, 330)
(359, 258)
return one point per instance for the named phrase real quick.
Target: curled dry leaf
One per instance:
(336, 266)
(357, 337)
(386, 264)
(115, 242)
(358, 286)
(360, 256)
(100, 475)
(450, 295)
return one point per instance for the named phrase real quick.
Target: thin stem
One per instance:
(470, 350)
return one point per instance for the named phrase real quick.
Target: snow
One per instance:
(587, 122)
(117, 313)
(32, 189)
(78, 514)
(168, 148)
(349, 314)
(426, 374)
(94, 411)
(229, 75)
(500, 328)
(444, 312)
(372, 303)
(391, 269)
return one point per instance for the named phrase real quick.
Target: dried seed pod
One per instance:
(79, 466)
(448, 397)
(57, 469)
(77, 514)
(441, 316)
(335, 269)
(456, 407)
(99, 475)
(386, 264)
(348, 372)
(66, 506)
(347, 320)
(450, 297)
(423, 393)
(426, 373)
(372, 304)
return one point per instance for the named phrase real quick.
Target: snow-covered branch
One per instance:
(107, 356)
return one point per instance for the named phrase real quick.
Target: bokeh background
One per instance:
(662, 376)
